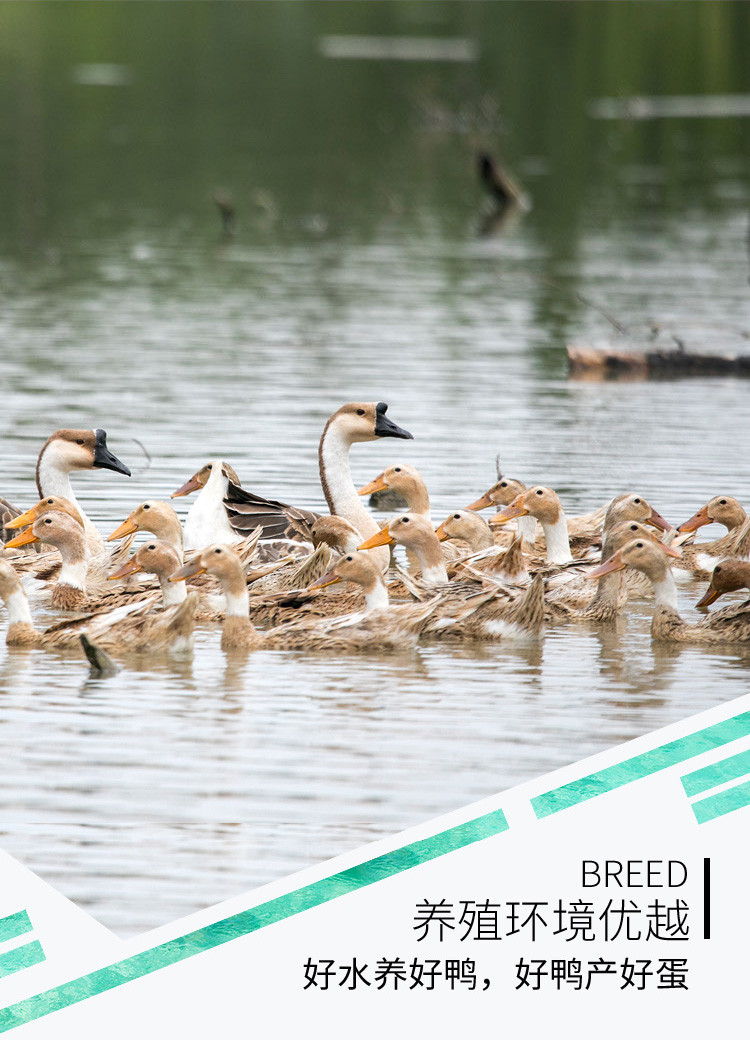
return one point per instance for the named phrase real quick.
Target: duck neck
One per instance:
(170, 532)
(173, 592)
(73, 572)
(417, 498)
(238, 600)
(478, 534)
(376, 595)
(665, 591)
(18, 608)
(526, 527)
(558, 543)
(431, 560)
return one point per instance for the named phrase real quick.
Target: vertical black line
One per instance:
(706, 898)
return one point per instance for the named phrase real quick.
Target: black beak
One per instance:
(103, 457)
(385, 428)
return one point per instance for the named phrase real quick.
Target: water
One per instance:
(356, 273)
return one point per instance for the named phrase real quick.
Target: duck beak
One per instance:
(516, 508)
(442, 534)
(24, 519)
(381, 538)
(614, 563)
(191, 485)
(378, 484)
(188, 571)
(131, 567)
(708, 597)
(329, 578)
(103, 457)
(126, 527)
(385, 428)
(25, 538)
(696, 521)
(670, 550)
(481, 503)
(658, 521)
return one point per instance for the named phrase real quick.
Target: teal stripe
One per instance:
(720, 804)
(14, 925)
(251, 920)
(641, 765)
(717, 773)
(21, 957)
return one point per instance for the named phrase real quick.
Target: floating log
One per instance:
(610, 362)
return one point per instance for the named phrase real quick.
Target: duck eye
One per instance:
(151, 546)
(639, 545)
(50, 501)
(504, 483)
(717, 570)
(540, 492)
(209, 466)
(634, 527)
(723, 502)
(48, 521)
(349, 559)
(79, 442)
(146, 506)
(456, 516)
(637, 501)
(397, 469)
(217, 552)
(405, 520)
(360, 411)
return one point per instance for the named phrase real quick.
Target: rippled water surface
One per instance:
(356, 272)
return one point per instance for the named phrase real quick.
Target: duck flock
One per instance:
(275, 576)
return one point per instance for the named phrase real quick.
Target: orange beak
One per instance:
(329, 578)
(24, 519)
(670, 551)
(191, 485)
(516, 508)
(709, 596)
(126, 527)
(188, 571)
(614, 563)
(131, 567)
(378, 484)
(441, 532)
(696, 521)
(381, 538)
(25, 538)
(481, 503)
(658, 521)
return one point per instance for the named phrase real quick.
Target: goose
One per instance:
(131, 627)
(68, 451)
(352, 424)
(730, 625)
(727, 576)
(350, 632)
(225, 512)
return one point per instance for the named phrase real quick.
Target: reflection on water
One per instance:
(356, 271)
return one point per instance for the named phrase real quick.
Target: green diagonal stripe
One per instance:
(21, 957)
(251, 920)
(717, 773)
(14, 925)
(641, 765)
(720, 804)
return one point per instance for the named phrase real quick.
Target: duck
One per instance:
(417, 534)
(131, 627)
(351, 424)
(543, 504)
(161, 559)
(225, 512)
(407, 481)
(469, 527)
(728, 575)
(67, 451)
(158, 518)
(731, 625)
(699, 559)
(503, 493)
(349, 632)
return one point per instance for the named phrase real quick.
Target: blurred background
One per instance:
(221, 221)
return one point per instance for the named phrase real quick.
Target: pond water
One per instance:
(356, 272)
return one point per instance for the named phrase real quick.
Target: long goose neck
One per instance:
(53, 478)
(336, 479)
(558, 543)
